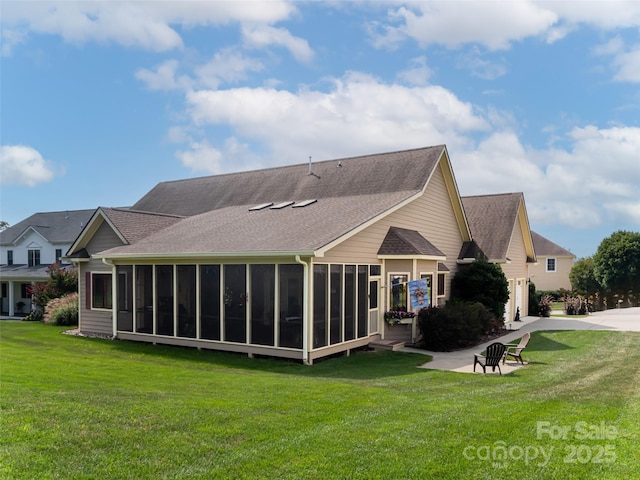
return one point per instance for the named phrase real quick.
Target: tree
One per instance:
(583, 278)
(616, 264)
(3, 225)
(482, 282)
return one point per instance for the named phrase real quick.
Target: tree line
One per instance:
(611, 277)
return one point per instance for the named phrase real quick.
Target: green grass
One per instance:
(78, 408)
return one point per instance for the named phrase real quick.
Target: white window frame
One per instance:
(555, 265)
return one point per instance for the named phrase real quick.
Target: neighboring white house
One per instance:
(28, 248)
(551, 272)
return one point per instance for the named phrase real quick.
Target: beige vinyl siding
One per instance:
(552, 280)
(517, 270)
(431, 214)
(96, 321)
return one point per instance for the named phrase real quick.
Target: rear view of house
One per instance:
(298, 261)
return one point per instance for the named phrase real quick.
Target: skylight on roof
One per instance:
(260, 207)
(281, 205)
(304, 203)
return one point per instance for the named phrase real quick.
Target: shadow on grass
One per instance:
(540, 342)
(362, 364)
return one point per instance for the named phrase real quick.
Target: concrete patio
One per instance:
(625, 319)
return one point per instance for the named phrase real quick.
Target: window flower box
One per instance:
(399, 317)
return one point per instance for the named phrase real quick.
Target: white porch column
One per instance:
(12, 300)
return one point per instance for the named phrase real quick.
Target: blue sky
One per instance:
(100, 101)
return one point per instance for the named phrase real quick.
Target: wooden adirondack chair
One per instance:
(491, 358)
(515, 351)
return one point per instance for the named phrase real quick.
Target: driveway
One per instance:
(624, 319)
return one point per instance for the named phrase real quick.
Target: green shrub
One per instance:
(456, 325)
(63, 310)
(482, 282)
(534, 299)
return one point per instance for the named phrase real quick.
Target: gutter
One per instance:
(114, 295)
(207, 255)
(307, 310)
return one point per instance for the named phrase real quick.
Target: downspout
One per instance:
(306, 314)
(114, 296)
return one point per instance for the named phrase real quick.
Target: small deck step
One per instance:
(387, 344)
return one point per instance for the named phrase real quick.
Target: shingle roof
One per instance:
(236, 229)
(492, 219)
(55, 227)
(401, 241)
(407, 170)
(471, 250)
(546, 247)
(134, 226)
(10, 272)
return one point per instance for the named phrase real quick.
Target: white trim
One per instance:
(555, 265)
(435, 258)
(203, 256)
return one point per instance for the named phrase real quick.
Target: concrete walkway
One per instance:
(624, 319)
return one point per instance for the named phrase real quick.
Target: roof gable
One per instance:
(402, 241)
(129, 226)
(492, 220)
(54, 227)
(545, 247)
(407, 170)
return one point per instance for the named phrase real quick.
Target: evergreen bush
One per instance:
(456, 325)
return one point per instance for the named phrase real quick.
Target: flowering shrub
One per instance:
(544, 307)
(393, 317)
(575, 305)
(62, 280)
(62, 311)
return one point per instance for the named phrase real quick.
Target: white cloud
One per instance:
(492, 24)
(625, 60)
(604, 15)
(497, 25)
(148, 25)
(201, 157)
(580, 186)
(260, 36)
(418, 73)
(597, 178)
(24, 165)
(226, 66)
(358, 110)
(479, 67)
(164, 77)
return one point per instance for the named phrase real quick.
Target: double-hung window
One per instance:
(551, 264)
(101, 291)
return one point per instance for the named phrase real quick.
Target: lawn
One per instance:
(79, 408)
